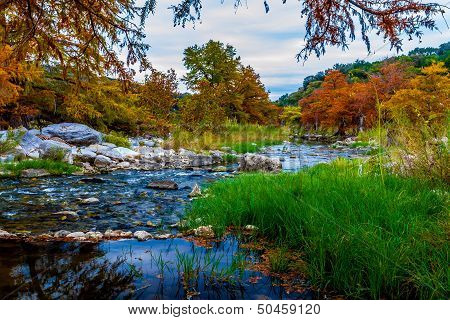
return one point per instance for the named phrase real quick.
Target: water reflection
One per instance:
(133, 270)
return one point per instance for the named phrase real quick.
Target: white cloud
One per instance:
(268, 42)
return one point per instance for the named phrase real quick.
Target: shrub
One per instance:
(118, 139)
(11, 141)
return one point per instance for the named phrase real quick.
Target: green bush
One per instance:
(364, 235)
(118, 139)
(55, 154)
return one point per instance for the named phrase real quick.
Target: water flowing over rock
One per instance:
(163, 185)
(256, 162)
(73, 133)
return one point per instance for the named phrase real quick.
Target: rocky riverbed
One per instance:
(69, 226)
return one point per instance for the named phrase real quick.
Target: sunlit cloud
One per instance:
(268, 42)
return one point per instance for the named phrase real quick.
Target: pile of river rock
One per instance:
(84, 146)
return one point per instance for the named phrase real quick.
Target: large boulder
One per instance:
(256, 162)
(55, 150)
(30, 144)
(85, 155)
(74, 133)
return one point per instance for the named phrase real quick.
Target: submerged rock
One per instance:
(74, 133)
(150, 224)
(163, 185)
(142, 235)
(256, 162)
(34, 173)
(196, 192)
(71, 214)
(90, 200)
(93, 180)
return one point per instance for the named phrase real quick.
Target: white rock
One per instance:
(94, 235)
(126, 153)
(4, 233)
(196, 191)
(256, 162)
(77, 235)
(102, 161)
(61, 234)
(204, 232)
(142, 235)
(90, 201)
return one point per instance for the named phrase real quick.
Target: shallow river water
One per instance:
(128, 269)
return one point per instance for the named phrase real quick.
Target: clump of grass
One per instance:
(245, 147)
(229, 158)
(240, 137)
(362, 234)
(118, 139)
(360, 144)
(279, 261)
(11, 141)
(53, 167)
(56, 154)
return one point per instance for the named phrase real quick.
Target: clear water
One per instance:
(128, 269)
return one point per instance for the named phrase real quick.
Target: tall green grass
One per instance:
(241, 138)
(54, 167)
(363, 236)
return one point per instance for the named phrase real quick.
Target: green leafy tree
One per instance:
(213, 62)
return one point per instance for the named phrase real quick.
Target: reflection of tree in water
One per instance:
(62, 271)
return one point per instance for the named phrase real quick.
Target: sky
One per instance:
(267, 42)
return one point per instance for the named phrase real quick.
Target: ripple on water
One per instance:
(125, 200)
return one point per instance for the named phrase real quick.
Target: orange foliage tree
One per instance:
(157, 99)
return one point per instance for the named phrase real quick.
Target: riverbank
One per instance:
(361, 234)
